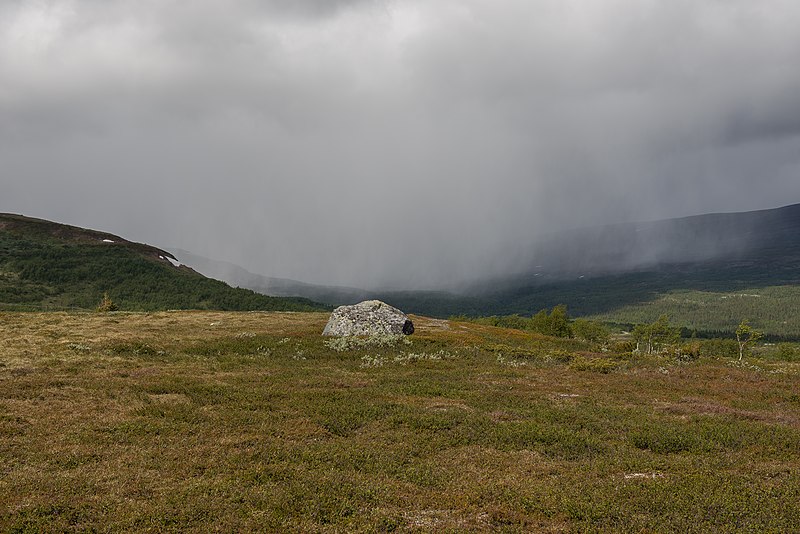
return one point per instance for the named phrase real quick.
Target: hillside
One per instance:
(759, 235)
(707, 272)
(46, 265)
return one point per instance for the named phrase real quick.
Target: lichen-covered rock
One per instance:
(368, 318)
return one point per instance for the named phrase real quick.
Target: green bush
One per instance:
(623, 346)
(787, 352)
(689, 351)
(596, 365)
(554, 324)
(590, 330)
(719, 348)
(106, 304)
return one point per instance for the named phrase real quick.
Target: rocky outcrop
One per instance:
(368, 318)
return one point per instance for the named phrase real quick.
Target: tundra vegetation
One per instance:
(251, 421)
(49, 266)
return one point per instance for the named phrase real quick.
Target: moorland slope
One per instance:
(47, 265)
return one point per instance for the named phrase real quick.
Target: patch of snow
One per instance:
(107, 241)
(173, 261)
(568, 395)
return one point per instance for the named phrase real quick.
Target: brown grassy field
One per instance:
(211, 421)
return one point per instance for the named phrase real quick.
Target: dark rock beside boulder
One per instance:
(368, 318)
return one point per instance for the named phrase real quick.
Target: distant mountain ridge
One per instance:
(693, 239)
(617, 272)
(238, 276)
(706, 271)
(714, 241)
(711, 240)
(48, 265)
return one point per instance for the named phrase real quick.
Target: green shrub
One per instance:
(555, 324)
(349, 343)
(106, 304)
(562, 356)
(664, 440)
(689, 351)
(719, 348)
(787, 352)
(507, 351)
(623, 346)
(596, 365)
(590, 330)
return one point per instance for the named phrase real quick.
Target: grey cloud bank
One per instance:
(401, 143)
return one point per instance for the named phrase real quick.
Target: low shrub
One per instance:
(596, 365)
(348, 343)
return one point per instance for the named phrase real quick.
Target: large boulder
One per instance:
(368, 318)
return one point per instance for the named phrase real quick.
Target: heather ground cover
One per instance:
(231, 421)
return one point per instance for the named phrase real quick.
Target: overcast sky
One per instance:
(400, 142)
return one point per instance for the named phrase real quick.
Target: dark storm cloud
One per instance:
(392, 142)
